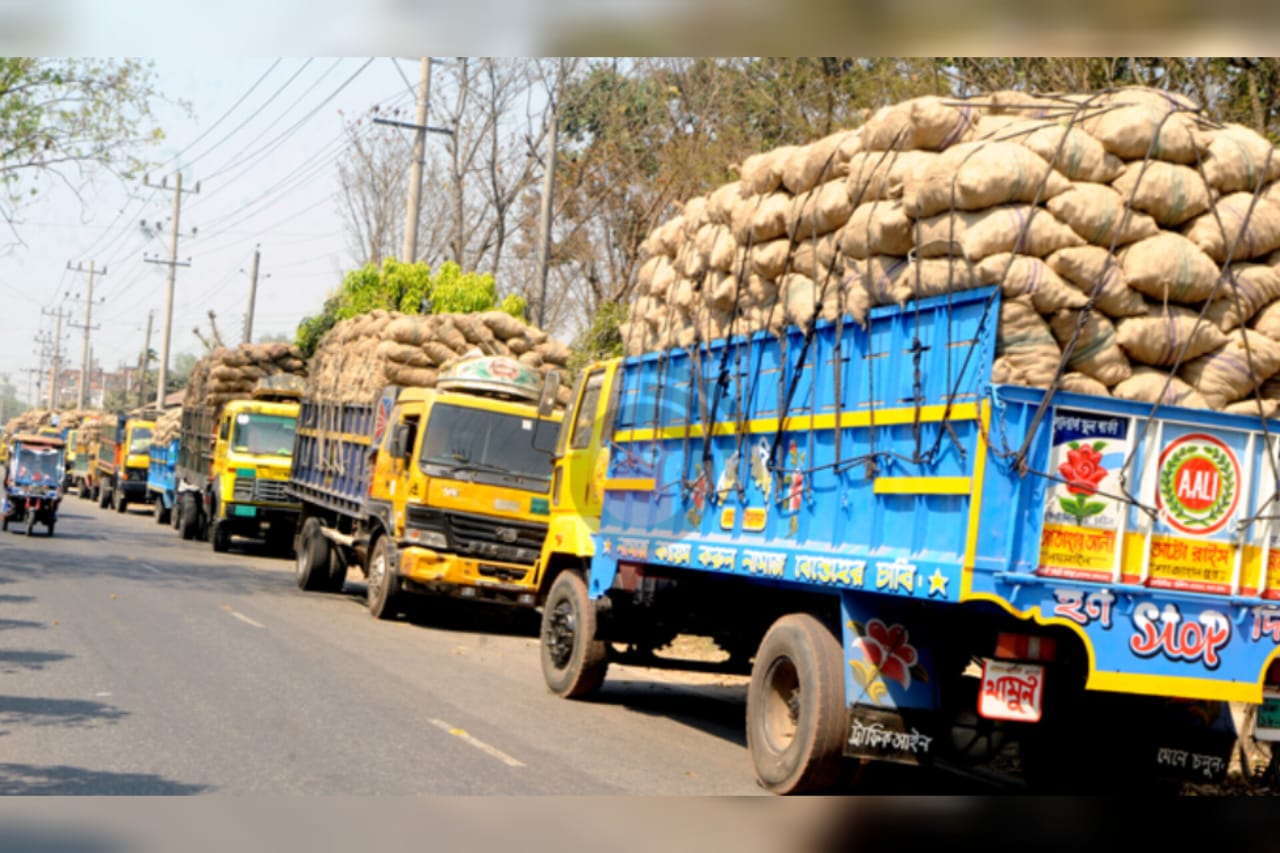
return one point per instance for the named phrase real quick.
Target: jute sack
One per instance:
(1026, 351)
(716, 245)
(1171, 193)
(720, 291)
(815, 258)
(877, 228)
(928, 123)
(1167, 335)
(762, 173)
(810, 165)
(935, 277)
(1240, 160)
(1015, 228)
(1133, 129)
(762, 217)
(1169, 266)
(1096, 352)
(820, 210)
(691, 263)
(1069, 150)
(769, 259)
(1023, 275)
(877, 175)
(1267, 321)
(1081, 383)
(1253, 406)
(1249, 228)
(1246, 289)
(882, 278)
(696, 215)
(722, 201)
(1231, 372)
(1098, 214)
(1096, 273)
(1149, 385)
(978, 175)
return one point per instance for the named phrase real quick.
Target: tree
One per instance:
(372, 177)
(66, 117)
(409, 289)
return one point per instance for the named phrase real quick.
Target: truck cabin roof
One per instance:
(35, 440)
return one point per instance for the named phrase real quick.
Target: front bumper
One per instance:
(257, 521)
(425, 570)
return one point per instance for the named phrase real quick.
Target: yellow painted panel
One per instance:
(923, 485)
(630, 484)
(801, 423)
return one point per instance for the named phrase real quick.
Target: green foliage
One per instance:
(601, 338)
(515, 305)
(409, 289)
(83, 111)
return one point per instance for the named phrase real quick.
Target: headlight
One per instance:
(426, 538)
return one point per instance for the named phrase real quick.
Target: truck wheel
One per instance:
(31, 523)
(175, 515)
(383, 581)
(795, 707)
(104, 498)
(162, 514)
(337, 579)
(122, 503)
(190, 519)
(574, 662)
(313, 557)
(219, 537)
(50, 531)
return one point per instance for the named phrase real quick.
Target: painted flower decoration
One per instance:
(889, 652)
(1083, 470)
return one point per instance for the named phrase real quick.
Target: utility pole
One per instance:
(55, 366)
(253, 296)
(421, 129)
(548, 193)
(173, 263)
(143, 358)
(88, 325)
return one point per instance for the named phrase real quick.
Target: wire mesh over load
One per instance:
(232, 374)
(360, 356)
(1134, 241)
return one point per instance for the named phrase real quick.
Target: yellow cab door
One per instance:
(393, 465)
(583, 450)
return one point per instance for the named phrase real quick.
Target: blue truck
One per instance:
(162, 480)
(917, 565)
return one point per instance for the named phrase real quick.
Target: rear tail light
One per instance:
(1025, 647)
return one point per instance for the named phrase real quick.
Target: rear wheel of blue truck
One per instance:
(574, 662)
(162, 514)
(795, 707)
(383, 582)
(190, 518)
(313, 557)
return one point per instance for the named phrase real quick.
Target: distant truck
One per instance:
(162, 479)
(232, 468)
(123, 460)
(428, 491)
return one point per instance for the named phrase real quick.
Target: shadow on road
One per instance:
(714, 709)
(50, 838)
(446, 613)
(17, 599)
(63, 780)
(20, 660)
(9, 624)
(35, 711)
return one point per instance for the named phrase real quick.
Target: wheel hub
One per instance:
(559, 635)
(781, 704)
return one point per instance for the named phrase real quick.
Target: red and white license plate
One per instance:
(1011, 691)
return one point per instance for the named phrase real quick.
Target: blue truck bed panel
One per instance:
(331, 453)
(161, 475)
(882, 463)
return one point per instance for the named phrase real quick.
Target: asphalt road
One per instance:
(132, 662)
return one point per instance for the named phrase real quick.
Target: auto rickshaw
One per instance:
(33, 481)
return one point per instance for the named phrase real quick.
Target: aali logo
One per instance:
(1198, 484)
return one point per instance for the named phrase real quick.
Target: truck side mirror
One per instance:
(550, 391)
(400, 448)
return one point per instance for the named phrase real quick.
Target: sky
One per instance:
(262, 138)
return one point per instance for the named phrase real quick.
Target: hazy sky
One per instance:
(267, 174)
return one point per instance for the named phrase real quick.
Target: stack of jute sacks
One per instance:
(33, 419)
(360, 356)
(231, 374)
(168, 427)
(1133, 240)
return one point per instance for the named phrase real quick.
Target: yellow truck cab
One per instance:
(445, 493)
(233, 469)
(124, 458)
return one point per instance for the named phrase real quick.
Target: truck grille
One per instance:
(482, 537)
(261, 491)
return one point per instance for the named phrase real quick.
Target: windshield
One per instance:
(140, 440)
(263, 435)
(475, 440)
(36, 466)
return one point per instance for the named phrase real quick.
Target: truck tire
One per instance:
(795, 707)
(313, 557)
(190, 519)
(121, 502)
(104, 497)
(175, 515)
(383, 581)
(162, 513)
(574, 662)
(337, 579)
(219, 536)
(31, 523)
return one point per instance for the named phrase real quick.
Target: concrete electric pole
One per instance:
(143, 358)
(253, 296)
(82, 396)
(174, 263)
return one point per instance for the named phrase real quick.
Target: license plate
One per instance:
(240, 509)
(1011, 691)
(1267, 726)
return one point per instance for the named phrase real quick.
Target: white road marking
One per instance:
(244, 618)
(477, 743)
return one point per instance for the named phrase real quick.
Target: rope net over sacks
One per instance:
(1134, 241)
(231, 374)
(360, 356)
